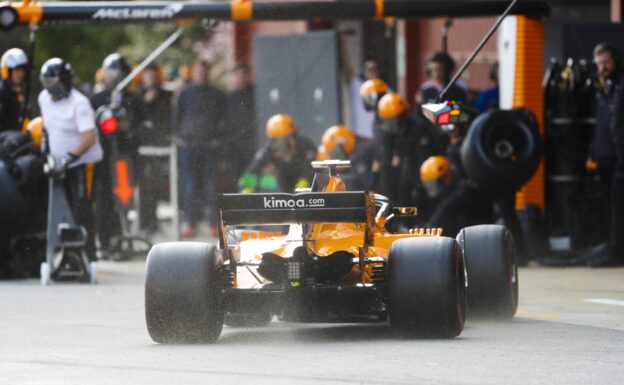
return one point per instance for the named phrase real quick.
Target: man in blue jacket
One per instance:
(199, 124)
(607, 147)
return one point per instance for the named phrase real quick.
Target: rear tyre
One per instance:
(183, 301)
(426, 287)
(492, 271)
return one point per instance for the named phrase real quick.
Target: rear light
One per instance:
(109, 126)
(444, 118)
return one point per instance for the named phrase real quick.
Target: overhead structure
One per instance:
(89, 12)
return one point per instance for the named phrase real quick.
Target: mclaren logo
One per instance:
(167, 12)
(272, 203)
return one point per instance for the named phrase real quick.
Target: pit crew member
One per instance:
(70, 124)
(283, 163)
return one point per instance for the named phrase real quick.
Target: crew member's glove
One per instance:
(302, 183)
(268, 182)
(247, 183)
(591, 165)
(67, 160)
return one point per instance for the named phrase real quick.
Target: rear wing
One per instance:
(305, 207)
(301, 208)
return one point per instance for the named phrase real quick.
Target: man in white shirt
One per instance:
(361, 119)
(69, 122)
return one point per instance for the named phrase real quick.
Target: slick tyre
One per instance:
(502, 149)
(183, 300)
(492, 272)
(426, 287)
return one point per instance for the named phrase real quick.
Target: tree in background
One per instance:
(86, 46)
(83, 46)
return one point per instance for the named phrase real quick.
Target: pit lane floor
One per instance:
(569, 330)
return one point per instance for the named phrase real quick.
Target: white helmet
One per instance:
(12, 58)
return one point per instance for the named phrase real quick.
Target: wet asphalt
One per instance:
(569, 330)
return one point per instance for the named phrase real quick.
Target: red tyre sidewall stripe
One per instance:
(510, 267)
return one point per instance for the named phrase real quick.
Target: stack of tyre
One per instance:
(501, 153)
(23, 200)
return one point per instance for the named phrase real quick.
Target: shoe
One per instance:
(188, 231)
(588, 257)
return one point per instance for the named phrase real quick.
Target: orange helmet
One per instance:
(35, 128)
(391, 106)
(371, 91)
(338, 136)
(185, 71)
(436, 175)
(280, 126)
(322, 153)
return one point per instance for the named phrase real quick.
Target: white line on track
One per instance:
(605, 301)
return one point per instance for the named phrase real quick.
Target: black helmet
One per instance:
(115, 68)
(56, 77)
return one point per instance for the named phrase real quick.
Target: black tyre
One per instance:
(248, 319)
(492, 271)
(183, 301)
(502, 149)
(426, 287)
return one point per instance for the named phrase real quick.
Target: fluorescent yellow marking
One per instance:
(532, 314)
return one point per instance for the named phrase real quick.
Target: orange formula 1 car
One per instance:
(336, 263)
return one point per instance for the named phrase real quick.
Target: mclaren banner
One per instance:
(87, 12)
